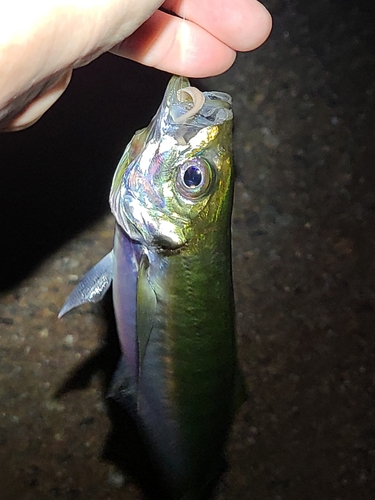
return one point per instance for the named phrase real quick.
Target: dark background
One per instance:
(303, 255)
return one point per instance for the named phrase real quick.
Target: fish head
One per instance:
(175, 176)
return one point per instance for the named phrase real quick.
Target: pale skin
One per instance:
(42, 41)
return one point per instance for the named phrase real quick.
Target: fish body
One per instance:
(170, 269)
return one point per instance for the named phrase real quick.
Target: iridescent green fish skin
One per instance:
(187, 359)
(172, 286)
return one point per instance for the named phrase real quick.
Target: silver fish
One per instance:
(170, 270)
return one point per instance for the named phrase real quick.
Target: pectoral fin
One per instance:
(146, 306)
(93, 286)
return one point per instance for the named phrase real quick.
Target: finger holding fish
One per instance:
(203, 41)
(50, 40)
(227, 21)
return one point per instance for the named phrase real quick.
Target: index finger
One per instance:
(241, 24)
(186, 47)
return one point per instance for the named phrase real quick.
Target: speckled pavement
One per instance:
(303, 256)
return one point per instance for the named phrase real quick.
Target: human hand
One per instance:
(41, 42)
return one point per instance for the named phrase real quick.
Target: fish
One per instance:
(171, 277)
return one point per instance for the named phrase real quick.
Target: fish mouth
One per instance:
(187, 108)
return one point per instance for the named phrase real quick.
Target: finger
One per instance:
(39, 105)
(38, 38)
(167, 43)
(240, 24)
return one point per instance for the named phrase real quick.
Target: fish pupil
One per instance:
(193, 176)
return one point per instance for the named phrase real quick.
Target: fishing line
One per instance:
(187, 93)
(182, 35)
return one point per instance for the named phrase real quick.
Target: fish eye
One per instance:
(194, 178)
